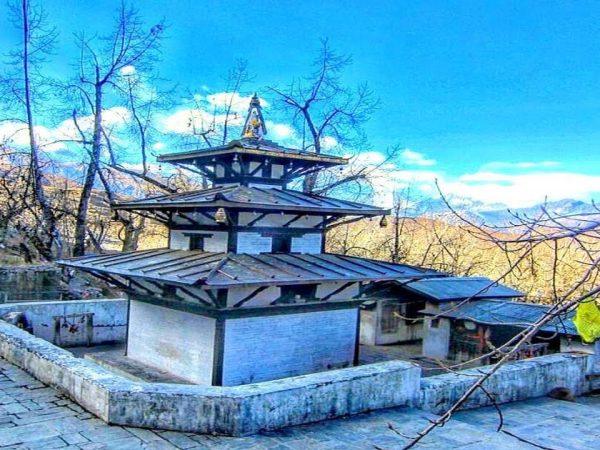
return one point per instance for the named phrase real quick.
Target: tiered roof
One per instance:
(251, 198)
(219, 270)
(234, 168)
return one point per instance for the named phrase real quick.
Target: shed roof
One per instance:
(459, 288)
(260, 147)
(193, 267)
(504, 312)
(252, 198)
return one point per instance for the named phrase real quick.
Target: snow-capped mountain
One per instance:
(498, 214)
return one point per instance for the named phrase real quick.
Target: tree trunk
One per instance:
(131, 235)
(90, 176)
(48, 228)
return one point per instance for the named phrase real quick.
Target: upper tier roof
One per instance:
(251, 146)
(252, 198)
(247, 159)
(221, 270)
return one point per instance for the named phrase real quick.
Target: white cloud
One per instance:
(127, 70)
(158, 146)
(413, 158)
(279, 130)
(53, 139)
(503, 165)
(490, 187)
(524, 190)
(368, 158)
(239, 103)
(328, 142)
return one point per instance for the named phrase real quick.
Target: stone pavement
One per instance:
(34, 416)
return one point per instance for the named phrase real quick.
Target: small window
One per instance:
(435, 323)
(282, 244)
(197, 241)
(391, 315)
(304, 291)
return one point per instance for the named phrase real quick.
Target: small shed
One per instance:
(393, 316)
(470, 330)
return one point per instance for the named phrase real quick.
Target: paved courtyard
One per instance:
(34, 416)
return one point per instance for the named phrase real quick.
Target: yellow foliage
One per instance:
(587, 321)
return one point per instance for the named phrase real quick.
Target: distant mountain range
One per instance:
(497, 214)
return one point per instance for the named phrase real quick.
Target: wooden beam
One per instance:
(291, 221)
(250, 296)
(337, 291)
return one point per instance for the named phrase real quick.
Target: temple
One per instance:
(245, 291)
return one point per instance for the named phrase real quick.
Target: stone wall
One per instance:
(234, 411)
(22, 283)
(518, 380)
(250, 408)
(109, 322)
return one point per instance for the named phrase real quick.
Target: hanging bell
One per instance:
(221, 216)
(383, 222)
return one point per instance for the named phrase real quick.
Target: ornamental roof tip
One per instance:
(254, 125)
(253, 138)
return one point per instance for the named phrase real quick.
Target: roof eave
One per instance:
(234, 147)
(249, 207)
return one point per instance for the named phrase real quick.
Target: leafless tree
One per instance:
(212, 122)
(131, 45)
(582, 232)
(324, 109)
(23, 88)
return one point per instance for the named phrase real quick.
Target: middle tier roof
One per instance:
(252, 199)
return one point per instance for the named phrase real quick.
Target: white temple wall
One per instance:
(276, 170)
(252, 167)
(324, 289)
(278, 346)
(309, 243)
(172, 340)
(196, 217)
(253, 243)
(217, 243)
(263, 298)
(278, 220)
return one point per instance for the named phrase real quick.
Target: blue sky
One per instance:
(492, 95)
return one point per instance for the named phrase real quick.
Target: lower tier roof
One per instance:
(216, 270)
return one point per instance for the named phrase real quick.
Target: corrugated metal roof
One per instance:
(503, 312)
(192, 267)
(254, 198)
(253, 146)
(457, 288)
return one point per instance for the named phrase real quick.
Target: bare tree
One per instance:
(528, 234)
(23, 89)
(102, 61)
(327, 112)
(213, 121)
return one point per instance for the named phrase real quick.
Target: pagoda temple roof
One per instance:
(252, 198)
(222, 270)
(252, 146)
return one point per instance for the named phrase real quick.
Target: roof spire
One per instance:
(254, 127)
